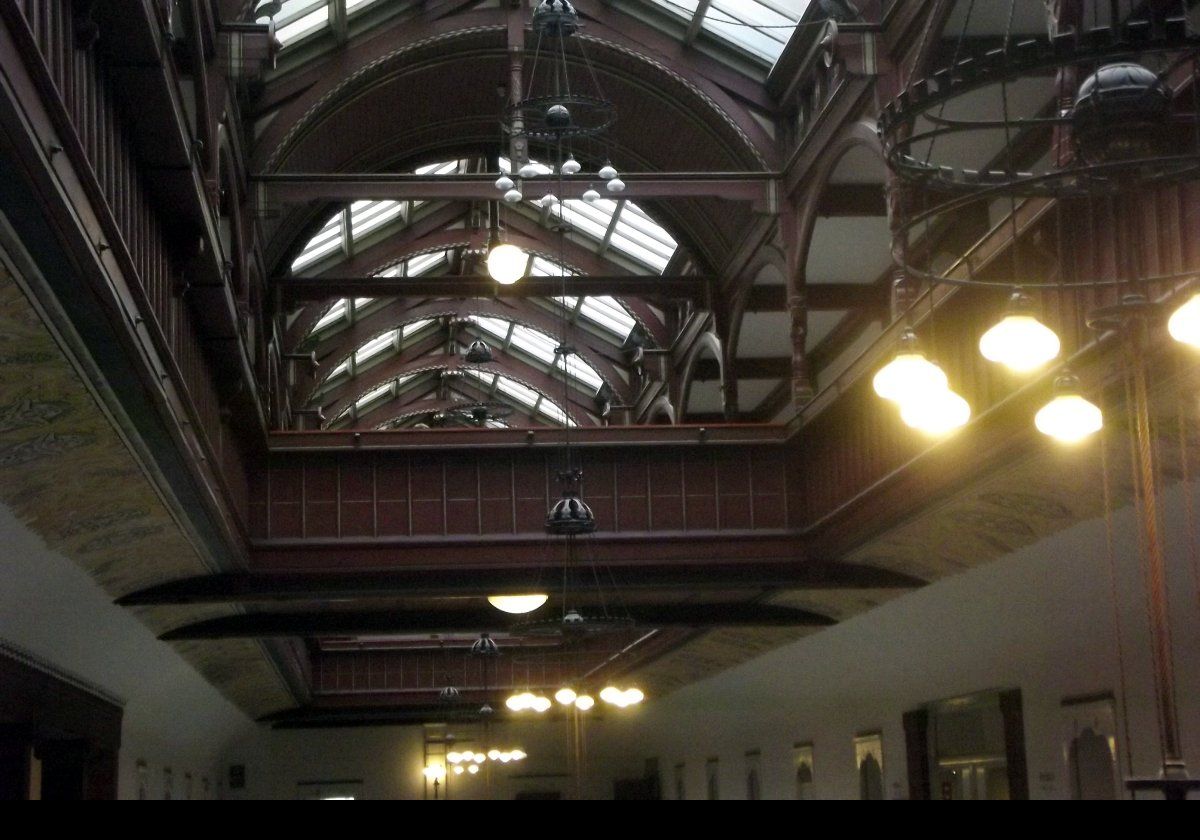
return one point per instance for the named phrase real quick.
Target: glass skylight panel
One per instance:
(372, 395)
(581, 372)
(497, 327)
(425, 263)
(523, 394)
(336, 313)
(327, 240)
(298, 18)
(415, 327)
(374, 347)
(536, 344)
(608, 313)
(355, 5)
(759, 27)
(366, 216)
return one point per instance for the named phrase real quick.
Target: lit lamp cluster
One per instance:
(470, 762)
(621, 698)
(1019, 342)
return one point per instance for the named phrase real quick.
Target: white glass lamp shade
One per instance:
(504, 183)
(505, 757)
(518, 604)
(590, 195)
(616, 185)
(1069, 418)
(473, 769)
(506, 264)
(548, 201)
(454, 757)
(909, 376)
(1184, 324)
(571, 166)
(633, 696)
(584, 702)
(1020, 341)
(607, 172)
(610, 694)
(936, 414)
(518, 755)
(459, 769)
(565, 696)
(493, 755)
(541, 705)
(513, 196)
(528, 170)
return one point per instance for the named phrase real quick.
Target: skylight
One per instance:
(540, 347)
(297, 19)
(761, 28)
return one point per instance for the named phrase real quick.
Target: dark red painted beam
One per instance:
(322, 287)
(821, 297)
(314, 624)
(456, 581)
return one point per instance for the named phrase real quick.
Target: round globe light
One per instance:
(571, 166)
(565, 696)
(518, 755)
(633, 696)
(513, 196)
(590, 196)
(548, 201)
(473, 769)
(610, 694)
(616, 185)
(528, 170)
(506, 264)
(1020, 341)
(459, 769)
(504, 183)
(515, 703)
(936, 414)
(607, 172)
(909, 376)
(478, 758)
(1069, 418)
(518, 604)
(454, 757)
(1184, 324)
(505, 757)
(541, 704)
(584, 702)
(493, 755)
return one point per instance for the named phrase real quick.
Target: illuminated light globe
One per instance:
(616, 185)
(1020, 341)
(518, 755)
(548, 201)
(607, 172)
(505, 757)
(504, 183)
(473, 769)
(454, 757)
(591, 196)
(528, 170)
(633, 696)
(936, 414)
(584, 702)
(565, 696)
(541, 704)
(910, 376)
(571, 166)
(1184, 324)
(506, 264)
(478, 758)
(610, 694)
(493, 755)
(1069, 418)
(518, 703)
(459, 769)
(513, 196)
(518, 604)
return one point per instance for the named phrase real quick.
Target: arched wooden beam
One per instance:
(706, 341)
(502, 363)
(338, 346)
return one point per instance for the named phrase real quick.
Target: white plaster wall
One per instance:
(1040, 620)
(172, 716)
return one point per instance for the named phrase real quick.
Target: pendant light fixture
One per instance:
(1020, 341)
(506, 262)
(910, 376)
(518, 604)
(1069, 417)
(936, 413)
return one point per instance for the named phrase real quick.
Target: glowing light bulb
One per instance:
(517, 604)
(1184, 324)
(493, 755)
(504, 183)
(506, 264)
(1069, 418)
(565, 696)
(633, 696)
(610, 694)
(459, 769)
(616, 185)
(505, 757)
(454, 757)
(517, 703)
(518, 755)
(909, 376)
(1020, 341)
(473, 769)
(571, 166)
(936, 414)
(584, 702)
(541, 704)
(607, 172)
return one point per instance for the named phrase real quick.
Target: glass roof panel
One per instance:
(758, 27)
(299, 18)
